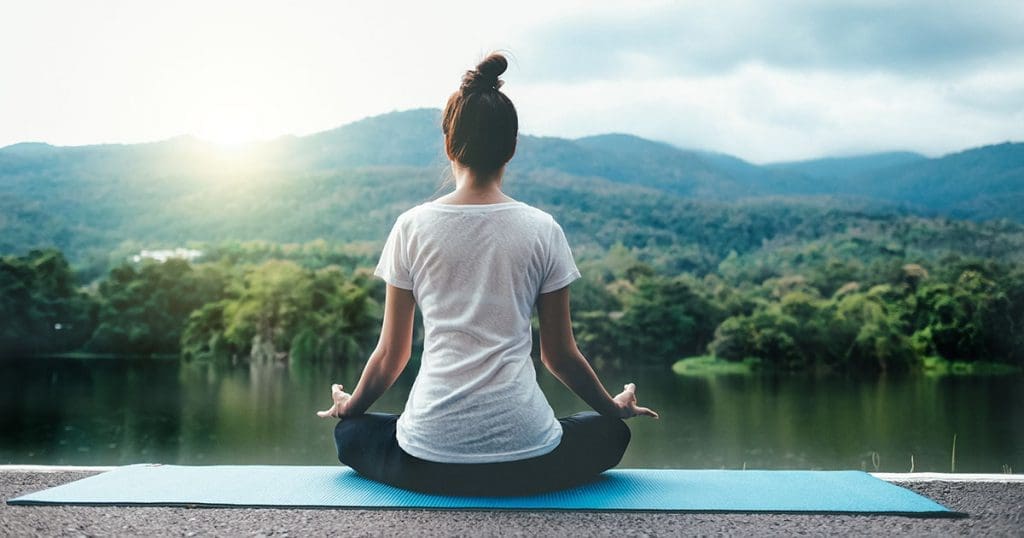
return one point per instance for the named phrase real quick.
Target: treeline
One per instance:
(899, 320)
(96, 219)
(845, 304)
(42, 309)
(218, 310)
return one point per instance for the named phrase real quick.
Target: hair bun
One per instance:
(485, 76)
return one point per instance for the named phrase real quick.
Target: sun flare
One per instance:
(229, 134)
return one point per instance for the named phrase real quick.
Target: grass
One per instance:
(952, 459)
(708, 365)
(93, 355)
(938, 366)
(876, 461)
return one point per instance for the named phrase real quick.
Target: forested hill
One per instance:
(349, 183)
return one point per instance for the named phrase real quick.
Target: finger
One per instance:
(647, 412)
(630, 387)
(332, 412)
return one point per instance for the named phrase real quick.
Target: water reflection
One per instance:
(117, 411)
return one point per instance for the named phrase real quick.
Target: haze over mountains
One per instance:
(959, 185)
(347, 184)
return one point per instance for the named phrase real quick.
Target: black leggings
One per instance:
(591, 443)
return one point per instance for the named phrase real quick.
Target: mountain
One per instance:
(831, 168)
(979, 183)
(630, 160)
(413, 138)
(100, 202)
(408, 138)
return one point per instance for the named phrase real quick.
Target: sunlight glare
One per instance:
(231, 128)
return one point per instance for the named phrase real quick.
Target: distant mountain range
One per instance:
(979, 183)
(348, 183)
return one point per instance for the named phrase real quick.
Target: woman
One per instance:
(476, 262)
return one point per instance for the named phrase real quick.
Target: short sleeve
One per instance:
(393, 266)
(561, 269)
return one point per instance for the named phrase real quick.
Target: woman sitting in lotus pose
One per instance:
(477, 262)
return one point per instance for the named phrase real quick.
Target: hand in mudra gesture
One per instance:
(340, 398)
(626, 400)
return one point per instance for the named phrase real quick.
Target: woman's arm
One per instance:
(386, 362)
(559, 353)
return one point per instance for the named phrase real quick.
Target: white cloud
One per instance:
(921, 36)
(765, 81)
(769, 114)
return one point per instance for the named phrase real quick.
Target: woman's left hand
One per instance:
(340, 398)
(626, 401)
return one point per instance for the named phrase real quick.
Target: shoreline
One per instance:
(994, 504)
(888, 477)
(692, 366)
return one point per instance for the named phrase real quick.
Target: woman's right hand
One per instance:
(626, 401)
(340, 399)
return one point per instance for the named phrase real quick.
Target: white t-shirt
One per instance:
(476, 272)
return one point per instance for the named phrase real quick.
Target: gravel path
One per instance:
(993, 508)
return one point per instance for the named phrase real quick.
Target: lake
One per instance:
(131, 410)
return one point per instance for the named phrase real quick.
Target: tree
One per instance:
(279, 310)
(40, 305)
(667, 318)
(144, 310)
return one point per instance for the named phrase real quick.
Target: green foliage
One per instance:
(708, 365)
(203, 335)
(803, 265)
(674, 210)
(665, 317)
(937, 366)
(313, 254)
(962, 310)
(216, 310)
(683, 253)
(143, 309)
(889, 327)
(41, 308)
(974, 317)
(279, 310)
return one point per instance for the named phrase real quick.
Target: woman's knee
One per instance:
(594, 425)
(345, 439)
(361, 436)
(622, 433)
(603, 439)
(619, 437)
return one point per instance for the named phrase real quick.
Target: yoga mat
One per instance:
(618, 489)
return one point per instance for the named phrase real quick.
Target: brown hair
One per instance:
(479, 122)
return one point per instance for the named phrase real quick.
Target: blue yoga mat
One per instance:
(620, 489)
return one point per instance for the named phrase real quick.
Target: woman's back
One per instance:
(476, 262)
(476, 271)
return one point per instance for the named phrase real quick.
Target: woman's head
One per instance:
(480, 123)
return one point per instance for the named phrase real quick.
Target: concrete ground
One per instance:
(993, 508)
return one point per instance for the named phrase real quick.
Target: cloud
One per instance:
(765, 80)
(923, 37)
(769, 114)
(781, 80)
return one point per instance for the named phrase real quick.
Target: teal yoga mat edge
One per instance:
(951, 514)
(933, 509)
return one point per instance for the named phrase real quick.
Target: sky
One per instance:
(765, 81)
